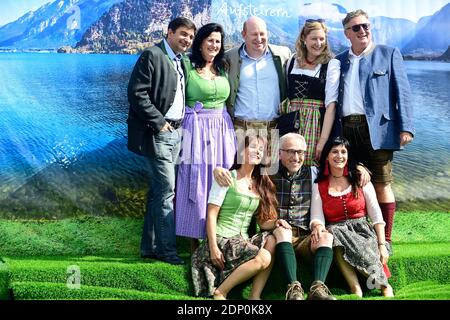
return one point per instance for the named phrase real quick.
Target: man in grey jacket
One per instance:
(255, 69)
(156, 97)
(374, 110)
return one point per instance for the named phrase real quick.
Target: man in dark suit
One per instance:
(156, 97)
(374, 110)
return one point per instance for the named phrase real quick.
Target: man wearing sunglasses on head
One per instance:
(374, 110)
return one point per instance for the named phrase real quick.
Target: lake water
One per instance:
(62, 134)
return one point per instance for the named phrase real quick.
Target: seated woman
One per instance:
(228, 257)
(340, 204)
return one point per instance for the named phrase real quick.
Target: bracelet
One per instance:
(381, 243)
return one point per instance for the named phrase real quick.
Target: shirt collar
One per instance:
(170, 52)
(246, 55)
(364, 53)
(300, 173)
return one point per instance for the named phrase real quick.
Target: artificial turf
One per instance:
(38, 257)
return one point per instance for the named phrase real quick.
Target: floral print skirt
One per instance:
(359, 241)
(236, 250)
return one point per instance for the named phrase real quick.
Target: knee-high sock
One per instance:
(388, 211)
(286, 258)
(322, 263)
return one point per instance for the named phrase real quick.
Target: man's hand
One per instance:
(283, 224)
(364, 175)
(316, 232)
(223, 177)
(167, 127)
(405, 138)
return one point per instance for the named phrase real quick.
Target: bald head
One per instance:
(292, 147)
(255, 36)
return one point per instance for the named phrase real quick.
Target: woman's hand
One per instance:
(384, 254)
(217, 258)
(316, 232)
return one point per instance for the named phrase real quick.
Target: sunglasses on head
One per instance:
(315, 20)
(358, 27)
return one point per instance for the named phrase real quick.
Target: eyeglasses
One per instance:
(292, 152)
(315, 20)
(357, 27)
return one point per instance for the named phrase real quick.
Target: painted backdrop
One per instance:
(62, 116)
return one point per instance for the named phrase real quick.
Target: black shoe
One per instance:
(175, 260)
(148, 256)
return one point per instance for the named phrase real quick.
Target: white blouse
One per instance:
(333, 74)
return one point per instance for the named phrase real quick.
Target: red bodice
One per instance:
(340, 208)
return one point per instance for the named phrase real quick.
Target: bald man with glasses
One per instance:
(374, 110)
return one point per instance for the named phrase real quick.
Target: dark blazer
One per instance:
(386, 96)
(151, 91)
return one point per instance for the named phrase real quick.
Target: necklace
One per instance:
(337, 177)
(250, 184)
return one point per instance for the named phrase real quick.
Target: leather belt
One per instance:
(356, 118)
(250, 123)
(174, 123)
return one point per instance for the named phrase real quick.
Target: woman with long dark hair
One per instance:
(344, 208)
(229, 257)
(209, 140)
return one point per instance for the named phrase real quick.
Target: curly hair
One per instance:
(196, 56)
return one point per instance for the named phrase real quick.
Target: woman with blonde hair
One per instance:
(312, 81)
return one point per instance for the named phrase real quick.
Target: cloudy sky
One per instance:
(11, 10)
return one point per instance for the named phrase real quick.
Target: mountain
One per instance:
(392, 32)
(61, 22)
(445, 56)
(432, 38)
(132, 25)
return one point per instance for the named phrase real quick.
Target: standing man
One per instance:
(257, 79)
(374, 110)
(156, 97)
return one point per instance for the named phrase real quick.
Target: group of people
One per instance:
(207, 123)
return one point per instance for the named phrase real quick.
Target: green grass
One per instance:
(37, 255)
(58, 291)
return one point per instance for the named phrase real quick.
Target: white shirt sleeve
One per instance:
(314, 172)
(316, 206)
(372, 206)
(332, 84)
(217, 194)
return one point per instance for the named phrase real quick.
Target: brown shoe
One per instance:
(319, 291)
(295, 291)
